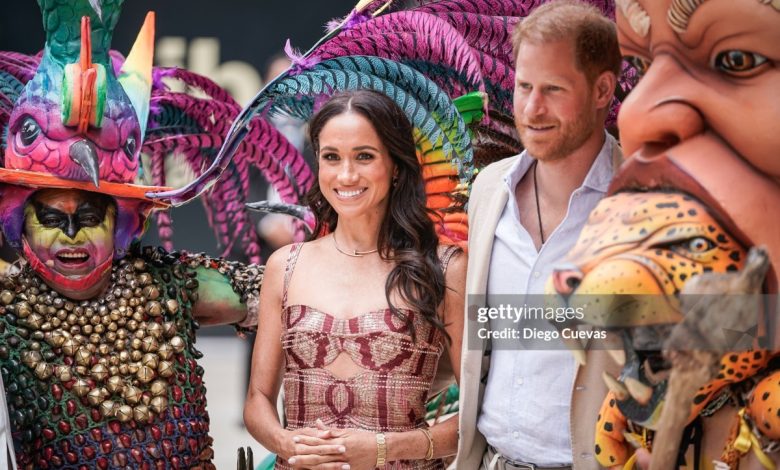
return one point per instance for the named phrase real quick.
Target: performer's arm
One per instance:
(227, 292)
(218, 303)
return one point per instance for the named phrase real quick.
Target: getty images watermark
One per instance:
(510, 320)
(640, 322)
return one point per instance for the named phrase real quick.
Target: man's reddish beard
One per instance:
(54, 278)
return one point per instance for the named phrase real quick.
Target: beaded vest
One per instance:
(111, 382)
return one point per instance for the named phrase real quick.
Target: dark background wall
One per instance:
(229, 41)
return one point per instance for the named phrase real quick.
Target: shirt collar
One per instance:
(597, 179)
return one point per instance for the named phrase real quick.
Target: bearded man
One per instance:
(524, 215)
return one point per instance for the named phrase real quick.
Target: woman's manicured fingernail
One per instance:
(296, 438)
(291, 461)
(345, 466)
(342, 449)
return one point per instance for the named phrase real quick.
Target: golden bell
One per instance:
(83, 357)
(151, 293)
(177, 343)
(145, 374)
(6, 297)
(31, 358)
(169, 329)
(158, 404)
(154, 308)
(132, 394)
(34, 321)
(172, 305)
(149, 344)
(165, 369)
(99, 372)
(159, 388)
(145, 279)
(69, 347)
(107, 408)
(165, 351)
(150, 360)
(23, 309)
(96, 395)
(155, 330)
(43, 370)
(141, 413)
(80, 388)
(124, 413)
(63, 373)
(115, 384)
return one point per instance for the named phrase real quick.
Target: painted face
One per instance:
(710, 69)
(69, 240)
(554, 105)
(355, 167)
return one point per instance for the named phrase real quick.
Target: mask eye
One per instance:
(738, 62)
(29, 131)
(700, 245)
(692, 246)
(130, 147)
(640, 64)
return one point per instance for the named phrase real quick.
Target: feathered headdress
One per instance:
(424, 58)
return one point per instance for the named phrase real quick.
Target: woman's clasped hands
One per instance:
(324, 448)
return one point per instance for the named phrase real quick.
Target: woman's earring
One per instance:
(395, 181)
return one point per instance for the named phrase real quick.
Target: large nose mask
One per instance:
(660, 113)
(88, 214)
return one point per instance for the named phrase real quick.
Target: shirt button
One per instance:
(516, 435)
(519, 381)
(537, 274)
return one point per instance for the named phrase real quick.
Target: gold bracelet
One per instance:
(381, 450)
(429, 454)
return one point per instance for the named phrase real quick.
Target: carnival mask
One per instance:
(707, 68)
(633, 257)
(68, 240)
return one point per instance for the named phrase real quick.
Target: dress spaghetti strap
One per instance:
(292, 258)
(446, 254)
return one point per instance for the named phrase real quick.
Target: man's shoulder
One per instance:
(493, 173)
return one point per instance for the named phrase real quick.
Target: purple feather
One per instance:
(353, 19)
(494, 7)
(491, 34)
(21, 66)
(428, 32)
(300, 62)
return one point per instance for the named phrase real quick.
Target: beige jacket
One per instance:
(489, 195)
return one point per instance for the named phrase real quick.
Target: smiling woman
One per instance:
(368, 313)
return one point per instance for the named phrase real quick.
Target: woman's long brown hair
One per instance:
(407, 235)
